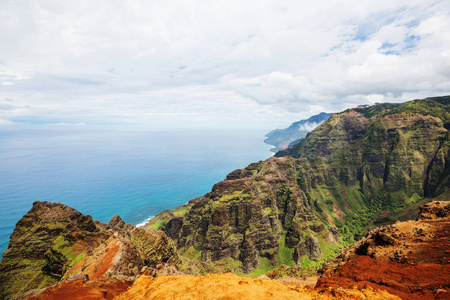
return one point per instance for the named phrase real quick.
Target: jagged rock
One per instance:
(53, 243)
(434, 210)
(154, 247)
(125, 253)
(80, 289)
(46, 242)
(117, 223)
(360, 166)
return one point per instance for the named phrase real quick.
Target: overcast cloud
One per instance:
(194, 64)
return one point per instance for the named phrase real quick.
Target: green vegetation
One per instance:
(264, 266)
(285, 255)
(160, 221)
(363, 167)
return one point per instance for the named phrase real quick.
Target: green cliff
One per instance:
(53, 241)
(360, 168)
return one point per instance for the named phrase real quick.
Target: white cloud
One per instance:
(308, 126)
(237, 63)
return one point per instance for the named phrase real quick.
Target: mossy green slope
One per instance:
(53, 241)
(390, 155)
(323, 193)
(46, 243)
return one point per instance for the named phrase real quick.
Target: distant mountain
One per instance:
(284, 138)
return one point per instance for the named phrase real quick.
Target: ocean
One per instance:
(134, 174)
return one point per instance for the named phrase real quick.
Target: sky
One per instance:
(215, 64)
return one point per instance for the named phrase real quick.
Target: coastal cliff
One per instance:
(361, 168)
(53, 242)
(407, 260)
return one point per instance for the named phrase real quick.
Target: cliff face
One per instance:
(361, 167)
(53, 241)
(258, 216)
(407, 260)
(380, 158)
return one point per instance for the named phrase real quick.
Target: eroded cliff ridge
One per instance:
(407, 260)
(53, 242)
(362, 167)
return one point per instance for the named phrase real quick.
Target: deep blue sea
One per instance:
(135, 174)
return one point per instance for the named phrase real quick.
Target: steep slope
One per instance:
(283, 138)
(389, 155)
(255, 220)
(45, 243)
(361, 167)
(409, 259)
(53, 241)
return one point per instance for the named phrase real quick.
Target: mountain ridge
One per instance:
(360, 168)
(301, 206)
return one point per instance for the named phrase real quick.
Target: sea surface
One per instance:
(135, 174)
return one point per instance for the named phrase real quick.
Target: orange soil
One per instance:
(90, 290)
(230, 286)
(407, 281)
(103, 264)
(100, 265)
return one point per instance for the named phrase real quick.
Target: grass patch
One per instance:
(264, 266)
(160, 221)
(284, 256)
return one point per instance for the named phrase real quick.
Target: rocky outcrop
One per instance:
(410, 259)
(46, 242)
(53, 241)
(244, 219)
(117, 223)
(361, 167)
(434, 210)
(125, 254)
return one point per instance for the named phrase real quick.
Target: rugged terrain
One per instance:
(53, 242)
(361, 168)
(409, 259)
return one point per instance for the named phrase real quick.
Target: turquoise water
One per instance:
(135, 174)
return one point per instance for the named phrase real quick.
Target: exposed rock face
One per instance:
(53, 241)
(357, 167)
(46, 242)
(245, 218)
(410, 259)
(117, 223)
